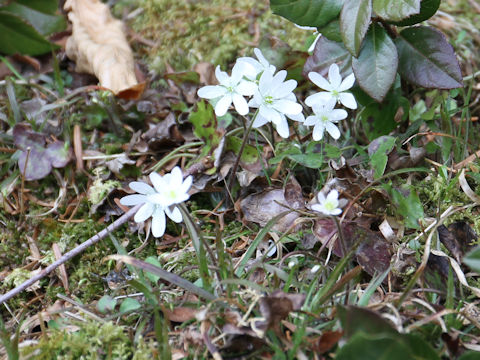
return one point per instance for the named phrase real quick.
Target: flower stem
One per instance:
(240, 152)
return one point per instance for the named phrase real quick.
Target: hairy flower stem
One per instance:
(240, 152)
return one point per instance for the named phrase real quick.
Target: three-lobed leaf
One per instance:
(316, 13)
(354, 22)
(376, 66)
(427, 59)
(396, 10)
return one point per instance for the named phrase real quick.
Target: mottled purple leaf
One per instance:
(325, 54)
(427, 59)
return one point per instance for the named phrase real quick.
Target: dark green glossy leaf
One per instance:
(325, 54)
(45, 24)
(20, 37)
(396, 10)
(427, 59)
(331, 31)
(472, 259)
(307, 12)
(470, 356)
(45, 6)
(428, 8)
(354, 21)
(376, 67)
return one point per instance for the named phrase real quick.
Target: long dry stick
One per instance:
(72, 253)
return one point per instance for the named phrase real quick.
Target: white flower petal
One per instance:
(285, 89)
(158, 199)
(321, 198)
(332, 196)
(174, 214)
(332, 130)
(282, 129)
(259, 121)
(317, 133)
(297, 117)
(222, 76)
(177, 176)
(269, 114)
(320, 81)
(211, 91)
(338, 114)
(158, 222)
(240, 104)
(347, 83)
(144, 212)
(223, 104)
(141, 187)
(311, 120)
(319, 98)
(246, 88)
(264, 82)
(287, 107)
(336, 211)
(277, 81)
(238, 71)
(334, 76)
(131, 200)
(348, 100)
(187, 183)
(157, 181)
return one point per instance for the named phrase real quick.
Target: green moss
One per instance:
(91, 341)
(188, 32)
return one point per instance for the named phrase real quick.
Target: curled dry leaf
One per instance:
(98, 46)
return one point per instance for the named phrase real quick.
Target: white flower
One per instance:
(255, 67)
(160, 199)
(231, 89)
(324, 119)
(315, 269)
(274, 99)
(335, 88)
(328, 205)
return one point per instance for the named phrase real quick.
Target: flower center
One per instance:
(330, 206)
(230, 89)
(335, 93)
(269, 100)
(324, 118)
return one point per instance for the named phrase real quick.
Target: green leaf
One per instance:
(378, 151)
(421, 349)
(427, 59)
(354, 21)
(472, 259)
(129, 304)
(380, 347)
(45, 24)
(428, 8)
(331, 31)
(356, 319)
(376, 67)
(106, 304)
(325, 54)
(316, 13)
(406, 203)
(250, 153)
(396, 10)
(470, 356)
(20, 37)
(154, 261)
(45, 6)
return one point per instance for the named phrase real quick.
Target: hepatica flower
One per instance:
(328, 205)
(335, 88)
(161, 199)
(275, 100)
(255, 67)
(324, 118)
(231, 89)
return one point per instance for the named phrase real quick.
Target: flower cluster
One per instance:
(323, 103)
(167, 191)
(270, 93)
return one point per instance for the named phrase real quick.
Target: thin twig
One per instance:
(72, 253)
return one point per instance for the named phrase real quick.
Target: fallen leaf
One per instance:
(98, 46)
(180, 314)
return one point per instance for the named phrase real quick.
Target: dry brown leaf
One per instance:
(98, 46)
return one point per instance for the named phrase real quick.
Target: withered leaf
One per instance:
(36, 158)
